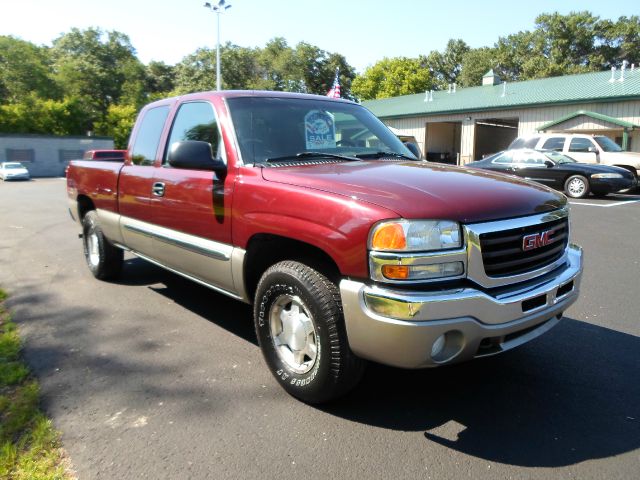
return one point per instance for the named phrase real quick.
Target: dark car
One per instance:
(559, 171)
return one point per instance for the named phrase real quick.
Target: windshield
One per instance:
(558, 157)
(607, 144)
(279, 128)
(13, 166)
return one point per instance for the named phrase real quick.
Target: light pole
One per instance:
(218, 8)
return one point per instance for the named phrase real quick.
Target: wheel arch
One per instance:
(85, 205)
(264, 250)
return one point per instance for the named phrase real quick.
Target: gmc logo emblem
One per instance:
(537, 240)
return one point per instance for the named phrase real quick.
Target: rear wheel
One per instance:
(301, 332)
(576, 186)
(103, 259)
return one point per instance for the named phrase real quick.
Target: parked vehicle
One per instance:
(13, 171)
(348, 251)
(560, 172)
(106, 155)
(582, 148)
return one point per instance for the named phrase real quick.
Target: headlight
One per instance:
(415, 235)
(606, 175)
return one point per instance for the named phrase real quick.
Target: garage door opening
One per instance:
(442, 142)
(493, 135)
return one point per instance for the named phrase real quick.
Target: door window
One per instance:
(554, 143)
(580, 145)
(148, 136)
(195, 121)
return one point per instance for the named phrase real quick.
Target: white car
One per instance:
(582, 148)
(13, 171)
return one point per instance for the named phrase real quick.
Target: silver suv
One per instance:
(582, 148)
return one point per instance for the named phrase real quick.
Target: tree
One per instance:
(37, 115)
(475, 63)
(118, 124)
(160, 78)
(446, 66)
(24, 69)
(101, 68)
(196, 72)
(391, 77)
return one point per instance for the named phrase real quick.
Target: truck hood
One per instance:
(424, 190)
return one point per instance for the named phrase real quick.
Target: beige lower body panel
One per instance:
(214, 264)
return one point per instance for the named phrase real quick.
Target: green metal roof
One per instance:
(597, 116)
(586, 87)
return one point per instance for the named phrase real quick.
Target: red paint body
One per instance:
(330, 206)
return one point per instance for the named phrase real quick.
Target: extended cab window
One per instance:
(554, 143)
(148, 136)
(580, 145)
(195, 121)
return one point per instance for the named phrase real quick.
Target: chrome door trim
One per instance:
(202, 246)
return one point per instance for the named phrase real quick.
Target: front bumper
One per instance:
(21, 176)
(400, 328)
(611, 185)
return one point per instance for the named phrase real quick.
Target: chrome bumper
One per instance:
(400, 328)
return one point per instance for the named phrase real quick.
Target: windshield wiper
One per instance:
(382, 154)
(304, 155)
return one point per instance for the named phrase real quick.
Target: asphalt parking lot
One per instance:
(156, 377)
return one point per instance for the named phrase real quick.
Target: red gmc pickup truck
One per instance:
(349, 248)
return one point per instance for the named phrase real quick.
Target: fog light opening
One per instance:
(447, 346)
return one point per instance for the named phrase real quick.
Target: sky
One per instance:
(364, 31)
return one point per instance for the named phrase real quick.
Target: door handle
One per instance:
(158, 189)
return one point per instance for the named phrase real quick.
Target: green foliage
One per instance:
(391, 77)
(118, 124)
(36, 115)
(446, 66)
(100, 68)
(24, 69)
(29, 446)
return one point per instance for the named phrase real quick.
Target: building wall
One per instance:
(45, 155)
(529, 120)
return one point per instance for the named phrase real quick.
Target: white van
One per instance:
(582, 148)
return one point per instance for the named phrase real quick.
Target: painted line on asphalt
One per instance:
(616, 204)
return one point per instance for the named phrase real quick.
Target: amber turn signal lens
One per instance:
(395, 272)
(389, 237)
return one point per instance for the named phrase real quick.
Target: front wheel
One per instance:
(576, 186)
(301, 332)
(103, 259)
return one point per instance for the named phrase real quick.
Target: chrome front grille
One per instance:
(503, 254)
(495, 249)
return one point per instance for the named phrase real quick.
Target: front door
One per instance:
(191, 210)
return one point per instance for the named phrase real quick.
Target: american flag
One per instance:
(335, 88)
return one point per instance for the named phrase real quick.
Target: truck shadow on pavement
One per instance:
(568, 397)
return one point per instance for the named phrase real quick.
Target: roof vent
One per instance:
(490, 78)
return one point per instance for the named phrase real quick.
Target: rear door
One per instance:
(136, 180)
(578, 149)
(191, 208)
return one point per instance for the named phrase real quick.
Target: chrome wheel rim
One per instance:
(293, 333)
(93, 250)
(576, 187)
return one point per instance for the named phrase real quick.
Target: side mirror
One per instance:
(592, 150)
(413, 148)
(549, 163)
(195, 155)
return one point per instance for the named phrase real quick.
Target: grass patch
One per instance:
(29, 446)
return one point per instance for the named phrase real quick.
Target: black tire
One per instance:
(103, 259)
(576, 186)
(313, 377)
